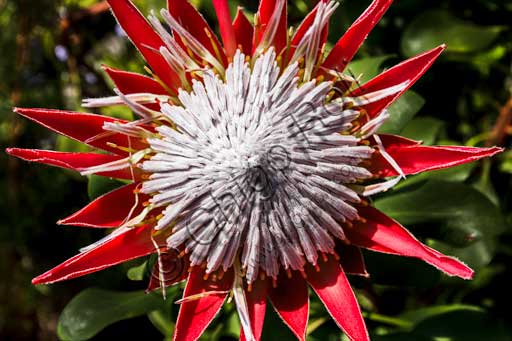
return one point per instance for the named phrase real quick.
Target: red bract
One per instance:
(263, 251)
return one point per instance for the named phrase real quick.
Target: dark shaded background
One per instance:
(51, 54)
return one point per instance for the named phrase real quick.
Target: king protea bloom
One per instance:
(249, 164)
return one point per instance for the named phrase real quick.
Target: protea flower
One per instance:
(249, 164)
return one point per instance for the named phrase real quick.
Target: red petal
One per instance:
(82, 127)
(414, 159)
(195, 315)
(332, 287)
(351, 260)
(132, 83)
(145, 39)
(134, 243)
(303, 29)
(407, 72)
(382, 234)
(227, 31)
(195, 24)
(109, 210)
(74, 161)
(291, 301)
(257, 304)
(173, 269)
(346, 48)
(244, 31)
(265, 12)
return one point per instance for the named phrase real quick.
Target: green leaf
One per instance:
(366, 68)
(401, 337)
(99, 185)
(121, 112)
(320, 327)
(485, 60)
(458, 215)
(65, 144)
(506, 164)
(163, 321)
(425, 129)
(463, 325)
(416, 316)
(400, 271)
(274, 329)
(80, 3)
(457, 322)
(94, 309)
(401, 112)
(233, 326)
(137, 272)
(454, 174)
(436, 27)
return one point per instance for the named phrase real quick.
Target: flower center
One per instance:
(259, 168)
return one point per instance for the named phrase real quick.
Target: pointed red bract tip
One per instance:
(414, 159)
(332, 287)
(145, 39)
(195, 315)
(348, 45)
(110, 210)
(291, 302)
(134, 243)
(405, 74)
(76, 161)
(380, 233)
(244, 31)
(84, 127)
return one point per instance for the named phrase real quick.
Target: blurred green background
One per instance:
(51, 54)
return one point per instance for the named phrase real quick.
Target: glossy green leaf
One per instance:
(506, 164)
(458, 215)
(454, 174)
(94, 309)
(163, 322)
(399, 271)
(401, 337)
(120, 112)
(65, 144)
(425, 129)
(80, 3)
(164, 319)
(455, 322)
(365, 69)
(137, 272)
(416, 316)
(233, 326)
(402, 112)
(274, 328)
(99, 185)
(486, 60)
(436, 27)
(464, 325)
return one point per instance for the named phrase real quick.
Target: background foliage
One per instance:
(51, 56)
